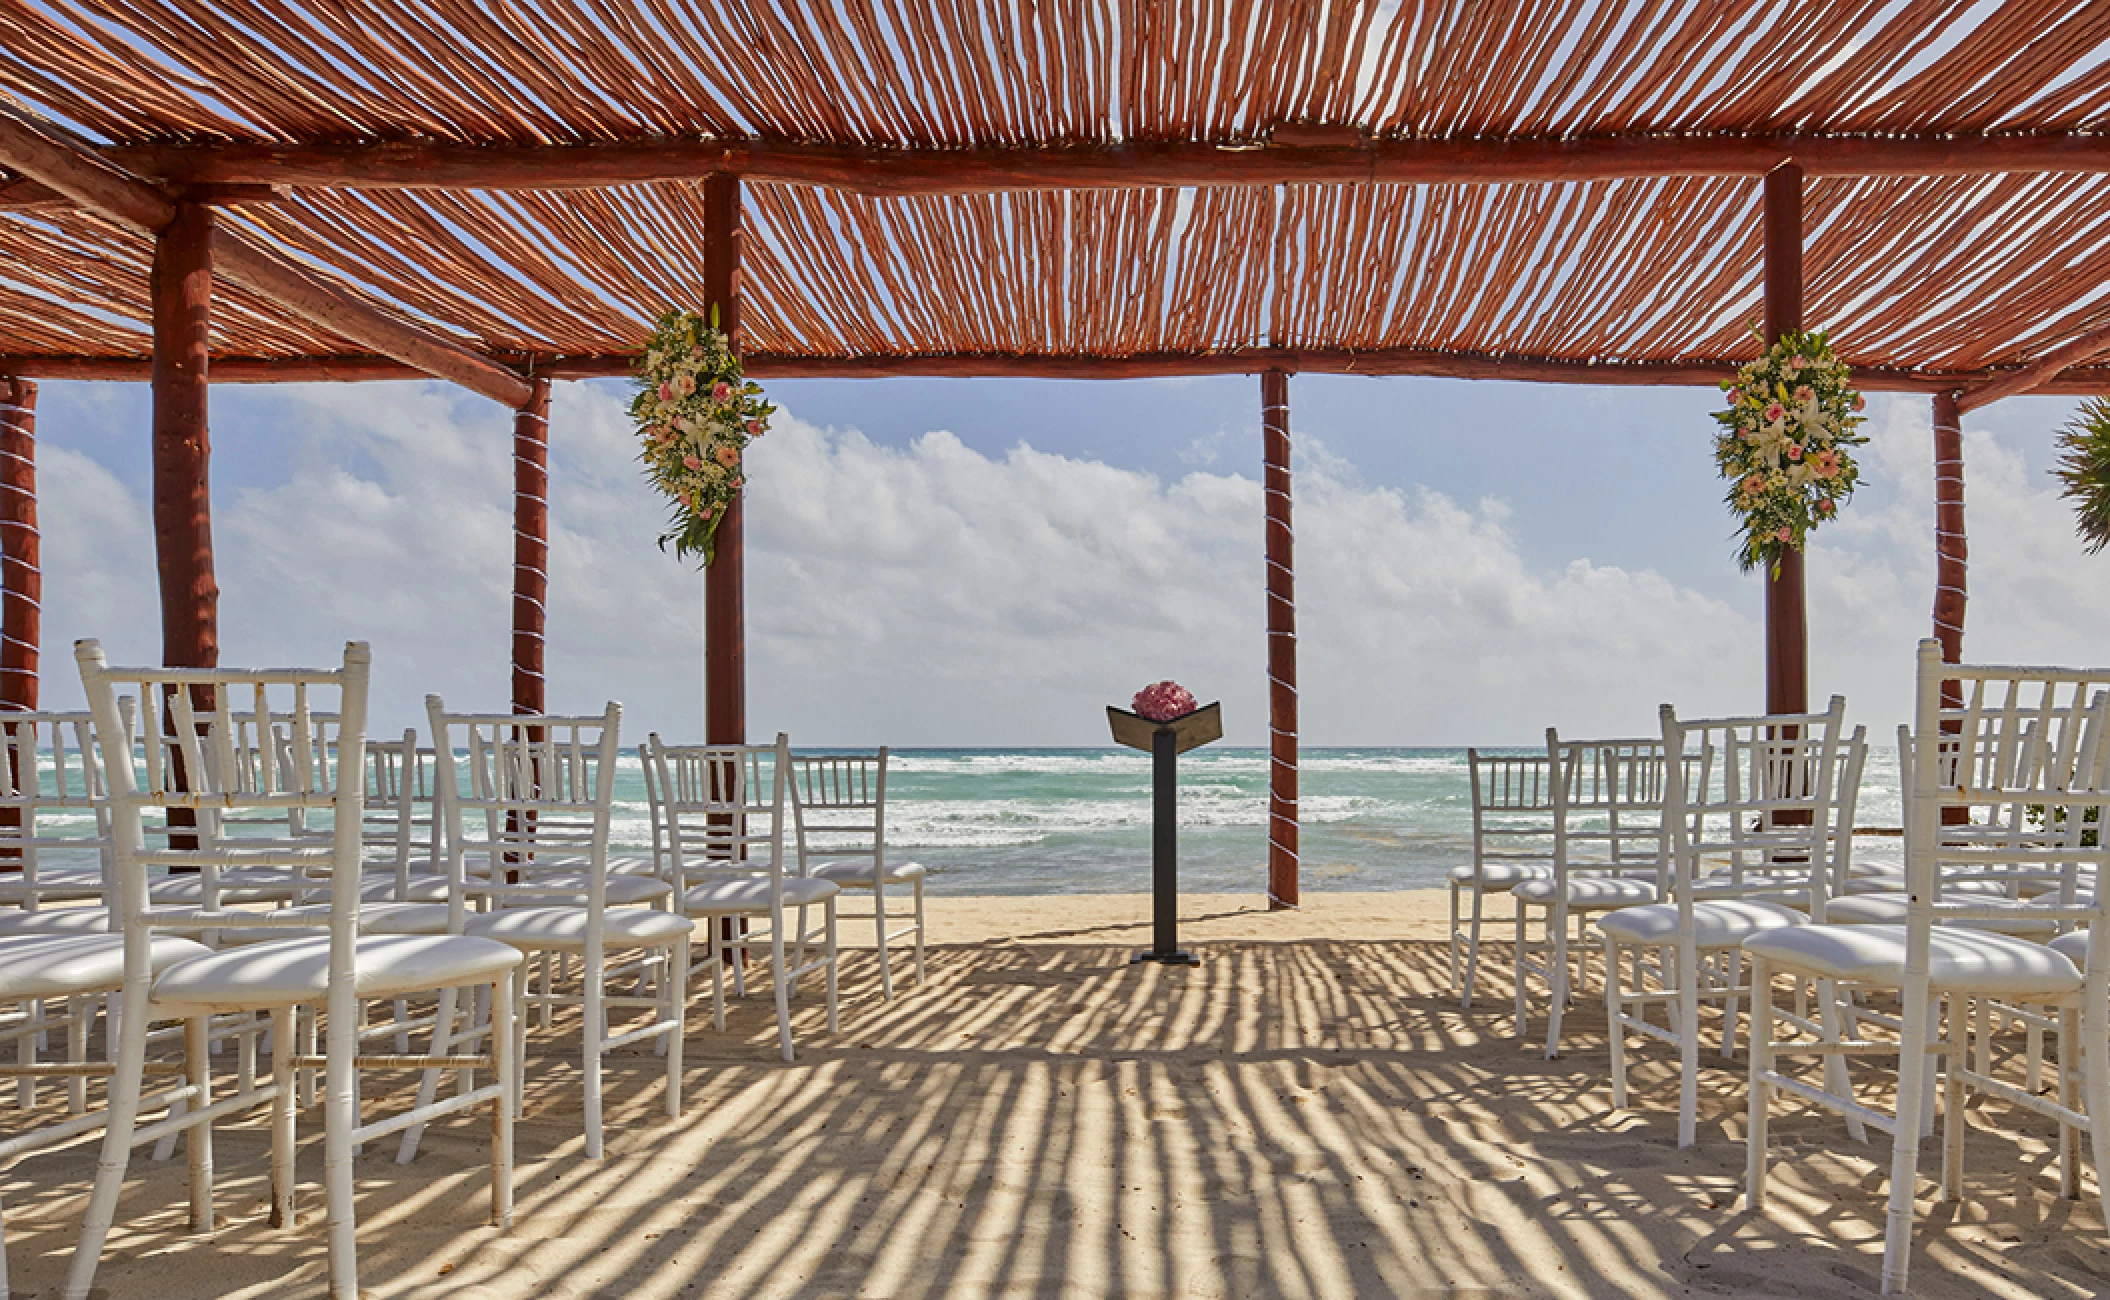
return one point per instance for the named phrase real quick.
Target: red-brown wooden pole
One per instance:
(21, 574)
(1787, 632)
(724, 581)
(1950, 551)
(181, 286)
(1950, 555)
(1281, 645)
(530, 548)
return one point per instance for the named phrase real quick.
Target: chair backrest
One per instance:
(1852, 764)
(2025, 755)
(401, 816)
(1513, 809)
(721, 808)
(545, 789)
(214, 780)
(54, 802)
(838, 808)
(1758, 795)
(1608, 805)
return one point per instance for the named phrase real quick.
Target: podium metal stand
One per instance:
(1165, 742)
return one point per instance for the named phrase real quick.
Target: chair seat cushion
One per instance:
(241, 885)
(1591, 893)
(1953, 888)
(424, 888)
(734, 894)
(622, 890)
(619, 864)
(1959, 960)
(856, 873)
(1891, 909)
(2072, 945)
(1717, 923)
(54, 883)
(565, 927)
(56, 965)
(290, 972)
(1498, 876)
(56, 920)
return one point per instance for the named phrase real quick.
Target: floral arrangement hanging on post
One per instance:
(695, 413)
(1783, 446)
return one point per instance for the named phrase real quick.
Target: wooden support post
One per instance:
(1787, 635)
(724, 581)
(1950, 555)
(1281, 645)
(530, 548)
(190, 598)
(21, 574)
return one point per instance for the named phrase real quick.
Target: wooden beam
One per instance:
(530, 549)
(725, 580)
(182, 446)
(21, 565)
(2081, 381)
(46, 154)
(2034, 376)
(1282, 824)
(876, 169)
(1787, 615)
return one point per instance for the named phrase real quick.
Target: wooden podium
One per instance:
(1165, 742)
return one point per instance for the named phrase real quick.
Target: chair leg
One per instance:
(1905, 1149)
(833, 954)
(782, 985)
(123, 1117)
(1472, 948)
(1519, 952)
(2095, 1088)
(718, 949)
(429, 1084)
(504, 1066)
(1457, 977)
(676, 993)
(1558, 1001)
(1953, 1121)
(1761, 1092)
(197, 1140)
(520, 987)
(1733, 964)
(79, 1011)
(340, 1117)
(595, 1028)
(1688, 1043)
(2069, 1136)
(1615, 1031)
(919, 930)
(284, 1107)
(886, 972)
(1838, 1080)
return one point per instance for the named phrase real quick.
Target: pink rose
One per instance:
(684, 385)
(1794, 451)
(739, 483)
(666, 392)
(1785, 533)
(1825, 506)
(704, 513)
(1797, 362)
(1736, 396)
(691, 463)
(722, 391)
(754, 428)
(1775, 413)
(1164, 701)
(1860, 402)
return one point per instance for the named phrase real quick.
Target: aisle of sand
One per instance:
(1307, 1114)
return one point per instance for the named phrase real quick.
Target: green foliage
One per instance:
(2084, 471)
(695, 415)
(1783, 447)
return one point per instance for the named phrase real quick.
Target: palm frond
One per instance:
(2084, 470)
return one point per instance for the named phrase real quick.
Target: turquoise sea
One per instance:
(1045, 821)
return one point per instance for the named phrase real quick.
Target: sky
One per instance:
(989, 562)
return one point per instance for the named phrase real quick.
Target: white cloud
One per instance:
(931, 594)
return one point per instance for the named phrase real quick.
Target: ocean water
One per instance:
(1048, 821)
(1045, 821)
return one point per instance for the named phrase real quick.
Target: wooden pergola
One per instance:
(505, 194)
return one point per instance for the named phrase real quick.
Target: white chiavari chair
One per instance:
(726, 822)
(1609, 851)
(1512, 843)
(838, 806)
(543, 790)
(1753, 808)
(2018, 739)
(339, 971)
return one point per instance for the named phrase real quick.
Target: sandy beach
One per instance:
(1307, 1114)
